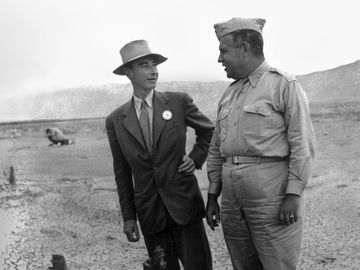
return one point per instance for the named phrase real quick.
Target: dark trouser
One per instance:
(188, 243)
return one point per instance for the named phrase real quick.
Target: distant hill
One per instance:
(98, 101)
(327, 88)
(337, 85)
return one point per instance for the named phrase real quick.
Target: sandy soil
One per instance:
(65, 201)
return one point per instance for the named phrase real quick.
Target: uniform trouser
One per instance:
(251, 198)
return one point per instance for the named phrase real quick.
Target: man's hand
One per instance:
(289, 210)
(131, 230)
(188, 166)
(212, 211)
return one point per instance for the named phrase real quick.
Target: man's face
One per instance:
(143, 74)
(231, 58)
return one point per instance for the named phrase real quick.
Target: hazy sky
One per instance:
(46, 45)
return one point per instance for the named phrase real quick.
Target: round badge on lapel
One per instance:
(167, 115)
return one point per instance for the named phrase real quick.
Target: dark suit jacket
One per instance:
(147, 184)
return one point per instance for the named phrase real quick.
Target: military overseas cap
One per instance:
(235, 24)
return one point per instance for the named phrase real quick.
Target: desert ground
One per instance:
(65, 200)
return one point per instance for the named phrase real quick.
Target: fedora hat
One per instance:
(135, 50)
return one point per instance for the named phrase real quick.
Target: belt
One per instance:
(251, 160)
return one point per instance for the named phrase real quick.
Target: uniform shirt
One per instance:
(266, 115)
(149, 107)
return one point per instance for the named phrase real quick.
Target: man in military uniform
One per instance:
(260, 154)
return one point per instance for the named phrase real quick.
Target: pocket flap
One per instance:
(259, 108)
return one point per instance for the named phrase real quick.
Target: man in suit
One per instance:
(154, 176)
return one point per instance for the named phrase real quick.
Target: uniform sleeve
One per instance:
(301, 137)
(123, 175)
(203, 130)
(214, 163)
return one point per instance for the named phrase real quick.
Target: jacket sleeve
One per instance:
(203, 130)
(123, 174)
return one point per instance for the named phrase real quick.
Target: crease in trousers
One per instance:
(251, 198)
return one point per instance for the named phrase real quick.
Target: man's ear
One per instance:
(246, 49)
(244, 46)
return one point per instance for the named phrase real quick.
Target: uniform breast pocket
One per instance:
(222, 120)
(261, 118)
(262, 109)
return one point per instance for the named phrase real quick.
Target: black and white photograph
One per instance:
(179, 135)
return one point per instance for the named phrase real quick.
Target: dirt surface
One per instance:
(65, 200)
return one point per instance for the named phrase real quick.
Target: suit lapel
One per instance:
(159, 106)
(131, 123)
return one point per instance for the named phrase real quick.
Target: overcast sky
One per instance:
(46, 45)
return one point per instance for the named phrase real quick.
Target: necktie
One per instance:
(145, 126)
